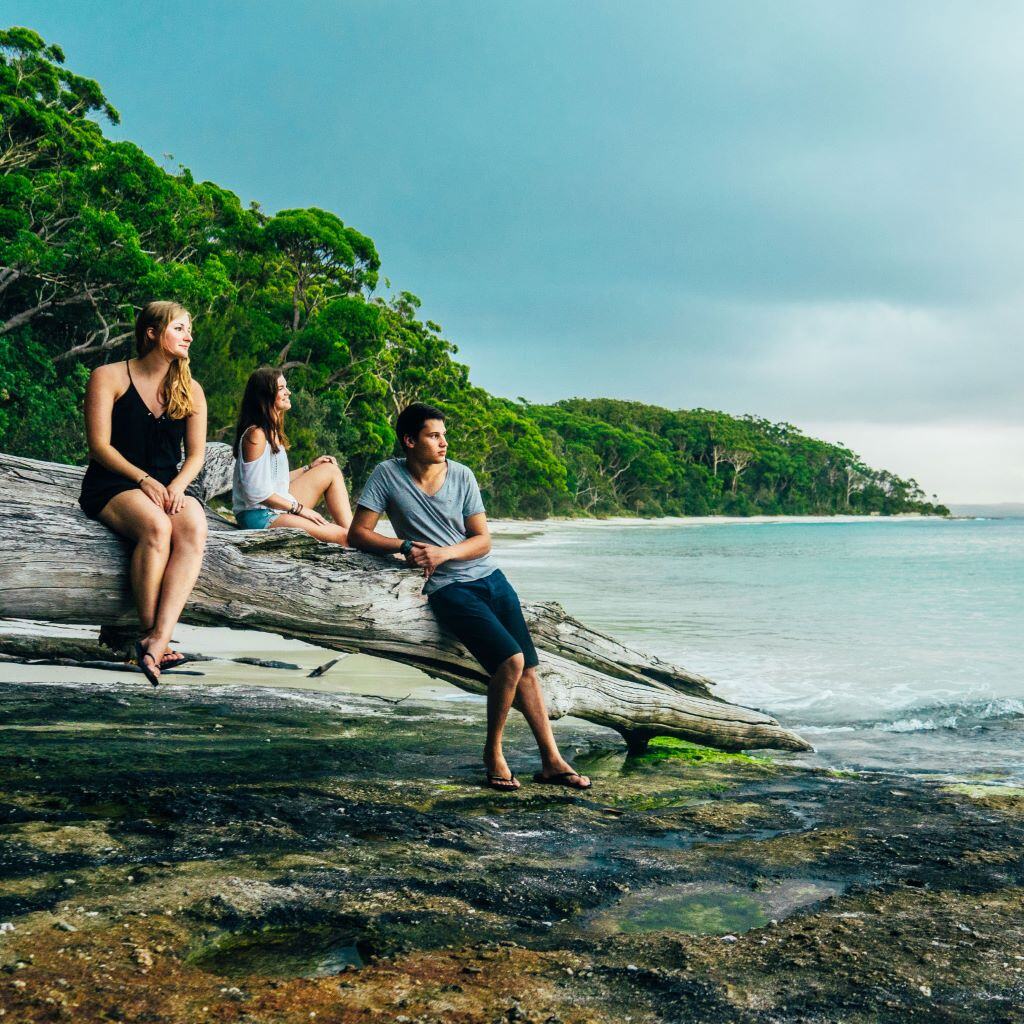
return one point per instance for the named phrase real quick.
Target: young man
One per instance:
(435, 507)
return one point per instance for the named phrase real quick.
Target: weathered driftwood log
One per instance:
(58, 566)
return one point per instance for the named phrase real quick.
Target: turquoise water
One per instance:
(889, 643)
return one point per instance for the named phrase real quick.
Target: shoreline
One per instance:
(501, 525)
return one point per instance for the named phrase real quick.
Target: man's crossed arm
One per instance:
(362, 534)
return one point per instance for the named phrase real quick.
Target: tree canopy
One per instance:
(90, 229)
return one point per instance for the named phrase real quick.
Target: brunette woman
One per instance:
(137, 415)
(266, 492)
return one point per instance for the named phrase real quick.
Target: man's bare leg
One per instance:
(501, 691)
(530, 702)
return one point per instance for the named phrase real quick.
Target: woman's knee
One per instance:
(190, 528)
(155, 531)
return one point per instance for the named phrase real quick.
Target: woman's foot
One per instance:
(160, 648)
(146, 661)
(172, 659)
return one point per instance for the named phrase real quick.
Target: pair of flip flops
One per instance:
(499, 782)
(166, 664)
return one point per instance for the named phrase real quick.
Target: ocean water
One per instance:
(886, 643)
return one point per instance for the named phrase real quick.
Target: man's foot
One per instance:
(508, 783)
(562, 775)
(499, 775)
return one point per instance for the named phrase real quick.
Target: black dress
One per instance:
(154, 444)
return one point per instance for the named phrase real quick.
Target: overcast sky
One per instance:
(807, 211)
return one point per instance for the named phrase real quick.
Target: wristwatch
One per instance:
(406, 547)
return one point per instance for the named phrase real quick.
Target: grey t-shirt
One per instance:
(432, 519)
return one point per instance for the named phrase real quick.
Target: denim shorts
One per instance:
(256, 518)
(487, 617)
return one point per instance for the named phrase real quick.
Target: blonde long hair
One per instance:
(177, 386)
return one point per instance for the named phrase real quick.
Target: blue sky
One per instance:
(808, 211)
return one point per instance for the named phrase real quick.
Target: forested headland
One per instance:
(91, 228)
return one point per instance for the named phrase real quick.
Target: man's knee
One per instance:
(512, 666)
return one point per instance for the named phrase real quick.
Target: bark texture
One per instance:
(58, 566)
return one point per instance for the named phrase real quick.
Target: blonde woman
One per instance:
(266, 492)
(138, 414)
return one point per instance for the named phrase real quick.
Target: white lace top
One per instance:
(256, 481)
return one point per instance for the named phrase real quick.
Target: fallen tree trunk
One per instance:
(58, 566)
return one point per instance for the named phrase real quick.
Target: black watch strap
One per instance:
(406, 547)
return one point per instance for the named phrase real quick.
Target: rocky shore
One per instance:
(237, 854)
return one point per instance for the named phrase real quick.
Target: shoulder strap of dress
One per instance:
(128, 367)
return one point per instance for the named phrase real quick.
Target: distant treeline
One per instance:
(90, 228)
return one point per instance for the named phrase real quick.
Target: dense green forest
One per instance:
(91, 228)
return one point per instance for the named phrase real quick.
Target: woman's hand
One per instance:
(155, 491)
(322, 459)
(313, 516)
(175, 498)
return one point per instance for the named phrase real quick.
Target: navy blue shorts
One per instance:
(487, 617)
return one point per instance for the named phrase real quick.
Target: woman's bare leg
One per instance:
(329, 532)
(188, 539)
(324, 481)
(133, 515)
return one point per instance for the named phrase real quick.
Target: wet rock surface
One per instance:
(246, 855)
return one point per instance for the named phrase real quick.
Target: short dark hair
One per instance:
(411, 420)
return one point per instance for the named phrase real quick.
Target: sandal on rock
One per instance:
(141, 654)
(560, 779)
(499, 782)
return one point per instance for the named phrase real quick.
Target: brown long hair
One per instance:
(177, 386)
(258, 409)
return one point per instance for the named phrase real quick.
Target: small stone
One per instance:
(632, 967)
(6, 926)
(69, 881)
(925, 990)
(729, 938)
(64, 926)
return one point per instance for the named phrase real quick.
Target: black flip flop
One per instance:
(170, 666)
(560, 779)
(506, 785)
(141, 654)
